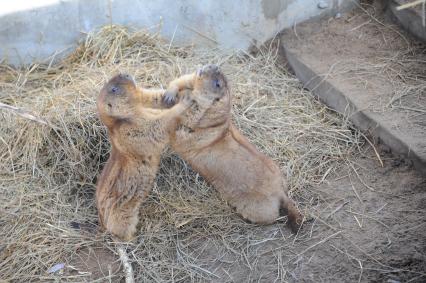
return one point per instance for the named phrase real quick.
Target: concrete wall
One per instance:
(34, 33)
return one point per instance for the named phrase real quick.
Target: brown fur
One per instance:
(247, 179)
(138, 136)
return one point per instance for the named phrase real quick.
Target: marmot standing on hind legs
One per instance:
(138, 135)
(247, 179)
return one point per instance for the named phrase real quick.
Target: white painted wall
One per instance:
(33, 30)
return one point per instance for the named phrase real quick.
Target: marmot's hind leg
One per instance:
(267, 211)
(258, 210)
(122, 220)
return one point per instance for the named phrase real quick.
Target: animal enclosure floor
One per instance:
(367, 67)
(366, 223)
(380, 212)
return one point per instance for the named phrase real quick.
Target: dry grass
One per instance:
(403, 70)
(48, 172)
(397, 60)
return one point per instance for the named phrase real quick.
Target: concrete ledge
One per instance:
(341, 102)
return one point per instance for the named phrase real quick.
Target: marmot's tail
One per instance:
(295, 217)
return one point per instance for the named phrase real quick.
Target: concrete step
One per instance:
(369, 70)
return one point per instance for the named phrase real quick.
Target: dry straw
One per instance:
(48, 170)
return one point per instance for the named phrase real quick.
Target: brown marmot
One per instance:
(247, 179)
(138, 135)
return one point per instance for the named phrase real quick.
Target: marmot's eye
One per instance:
(114, 89)
(217, 84)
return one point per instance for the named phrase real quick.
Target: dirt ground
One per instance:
(380, 212)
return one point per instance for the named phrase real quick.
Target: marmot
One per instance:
(247, 179)
(138, 135)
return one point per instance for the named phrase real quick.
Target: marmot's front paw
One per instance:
(169, 98)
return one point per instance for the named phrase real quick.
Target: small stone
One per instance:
(56, 268)
(322, 5)
(338, 16)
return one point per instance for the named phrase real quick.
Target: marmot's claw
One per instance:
(169, 99)
(200, 72)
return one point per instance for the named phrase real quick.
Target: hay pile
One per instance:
(48, 172)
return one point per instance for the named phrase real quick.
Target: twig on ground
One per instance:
(127, 266)
(374, 148)
(337, 209)
(316, 244)
(23, 113)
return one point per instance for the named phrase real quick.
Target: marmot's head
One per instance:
(211, 82)
(116, 98)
